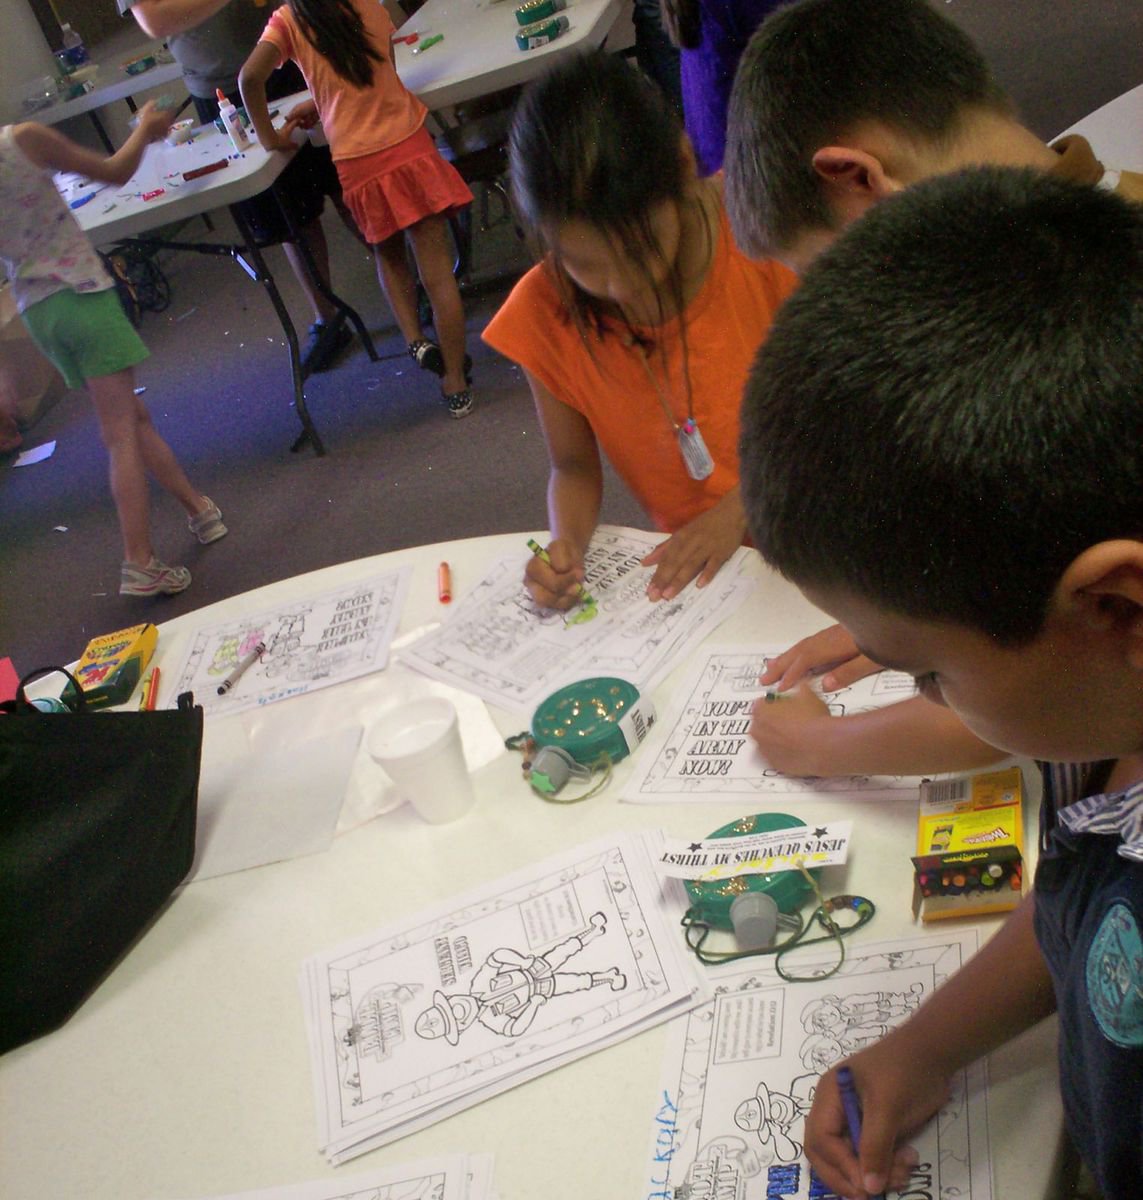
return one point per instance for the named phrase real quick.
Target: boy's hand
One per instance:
(154, 122)
(556, 584)
(898, 1095)
(790, 729)
(697, 550)
(831, 650)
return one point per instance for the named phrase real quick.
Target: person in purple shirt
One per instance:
(711, 35)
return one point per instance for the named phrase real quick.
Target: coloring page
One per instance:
(740, 1073)
(447, 1177)
(449, 1006)
(501, 645)
(702, 750)
(310, 643)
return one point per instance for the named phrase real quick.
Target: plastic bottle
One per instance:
(232, 122)
(74, 51)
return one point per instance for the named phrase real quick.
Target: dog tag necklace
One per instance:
(692, 445)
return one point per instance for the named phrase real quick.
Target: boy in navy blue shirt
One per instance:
(942, 447)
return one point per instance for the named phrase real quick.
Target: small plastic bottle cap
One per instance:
(754, 916)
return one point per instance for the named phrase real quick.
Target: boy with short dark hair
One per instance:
(839, 103)
(941, 448)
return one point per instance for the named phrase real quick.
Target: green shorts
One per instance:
(86, 334)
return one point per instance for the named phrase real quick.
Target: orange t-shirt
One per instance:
(356, 121)
(725, 324)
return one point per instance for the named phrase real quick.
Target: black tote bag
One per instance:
(97, 829)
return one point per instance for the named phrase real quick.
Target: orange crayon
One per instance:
(444, 583)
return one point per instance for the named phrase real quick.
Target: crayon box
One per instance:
(110, 668)
(970, 838)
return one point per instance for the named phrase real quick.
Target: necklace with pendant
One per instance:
(692, 445)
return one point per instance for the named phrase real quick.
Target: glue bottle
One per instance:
(232, 122)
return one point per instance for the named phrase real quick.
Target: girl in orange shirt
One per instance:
(638, 328)
(393, 178)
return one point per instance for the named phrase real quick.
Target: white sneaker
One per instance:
(154, 579)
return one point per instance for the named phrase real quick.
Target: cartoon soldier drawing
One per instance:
(507, 991)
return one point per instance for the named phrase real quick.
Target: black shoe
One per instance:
(326, 341)
(427, 355)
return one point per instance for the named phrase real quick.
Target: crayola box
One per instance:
(970, 838)
(110, 668)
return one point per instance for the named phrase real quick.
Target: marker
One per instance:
(852, 1106)
(241, 669)
(772, 696)
(543, 556)
(428, 43)
(444, 583)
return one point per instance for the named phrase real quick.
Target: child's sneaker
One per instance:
(427, 355)
(154, 579)
(459, 403)
(207, 525)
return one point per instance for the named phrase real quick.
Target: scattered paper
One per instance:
(701, 749)
(501, 645)
(447, 1007)
(313, 642)
(35, 455)
(740, 1072)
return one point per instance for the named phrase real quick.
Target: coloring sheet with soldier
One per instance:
(457, 1003)
(740, 1071)
(702, 750)
(504, 647)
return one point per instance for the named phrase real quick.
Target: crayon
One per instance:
(539, 551)
(444, 583)
(241, 669)
(852, 1106)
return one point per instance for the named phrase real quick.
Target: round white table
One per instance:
(186, 1074)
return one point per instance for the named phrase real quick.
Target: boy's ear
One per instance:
(1105, 586)
(854, 179)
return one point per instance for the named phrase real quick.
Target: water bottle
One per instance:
(74, 51)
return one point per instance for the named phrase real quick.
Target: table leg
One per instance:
(108, 145)
(260, 273)
(344, 309)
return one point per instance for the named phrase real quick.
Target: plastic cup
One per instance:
(418, 745)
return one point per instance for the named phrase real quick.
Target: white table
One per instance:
(115, 214)
(186, 1074)
(479, 53)
(112, 83)
(1116, 131)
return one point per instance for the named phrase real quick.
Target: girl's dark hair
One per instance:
(335, 30)
(682, 19)
(593, 140)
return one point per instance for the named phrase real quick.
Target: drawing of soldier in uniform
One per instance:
(508, 990)
(778, 1118)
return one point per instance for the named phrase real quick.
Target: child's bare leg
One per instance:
(433, 250)
(114, 402)
(399, 285)
(164, 468)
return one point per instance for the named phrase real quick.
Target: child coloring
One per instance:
(394, 180)
(975, 344)
(637, 328)
(68, 302)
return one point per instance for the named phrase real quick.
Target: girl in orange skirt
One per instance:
(393, 178)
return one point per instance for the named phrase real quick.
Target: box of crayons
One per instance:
(970, 838)
(110, 668)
